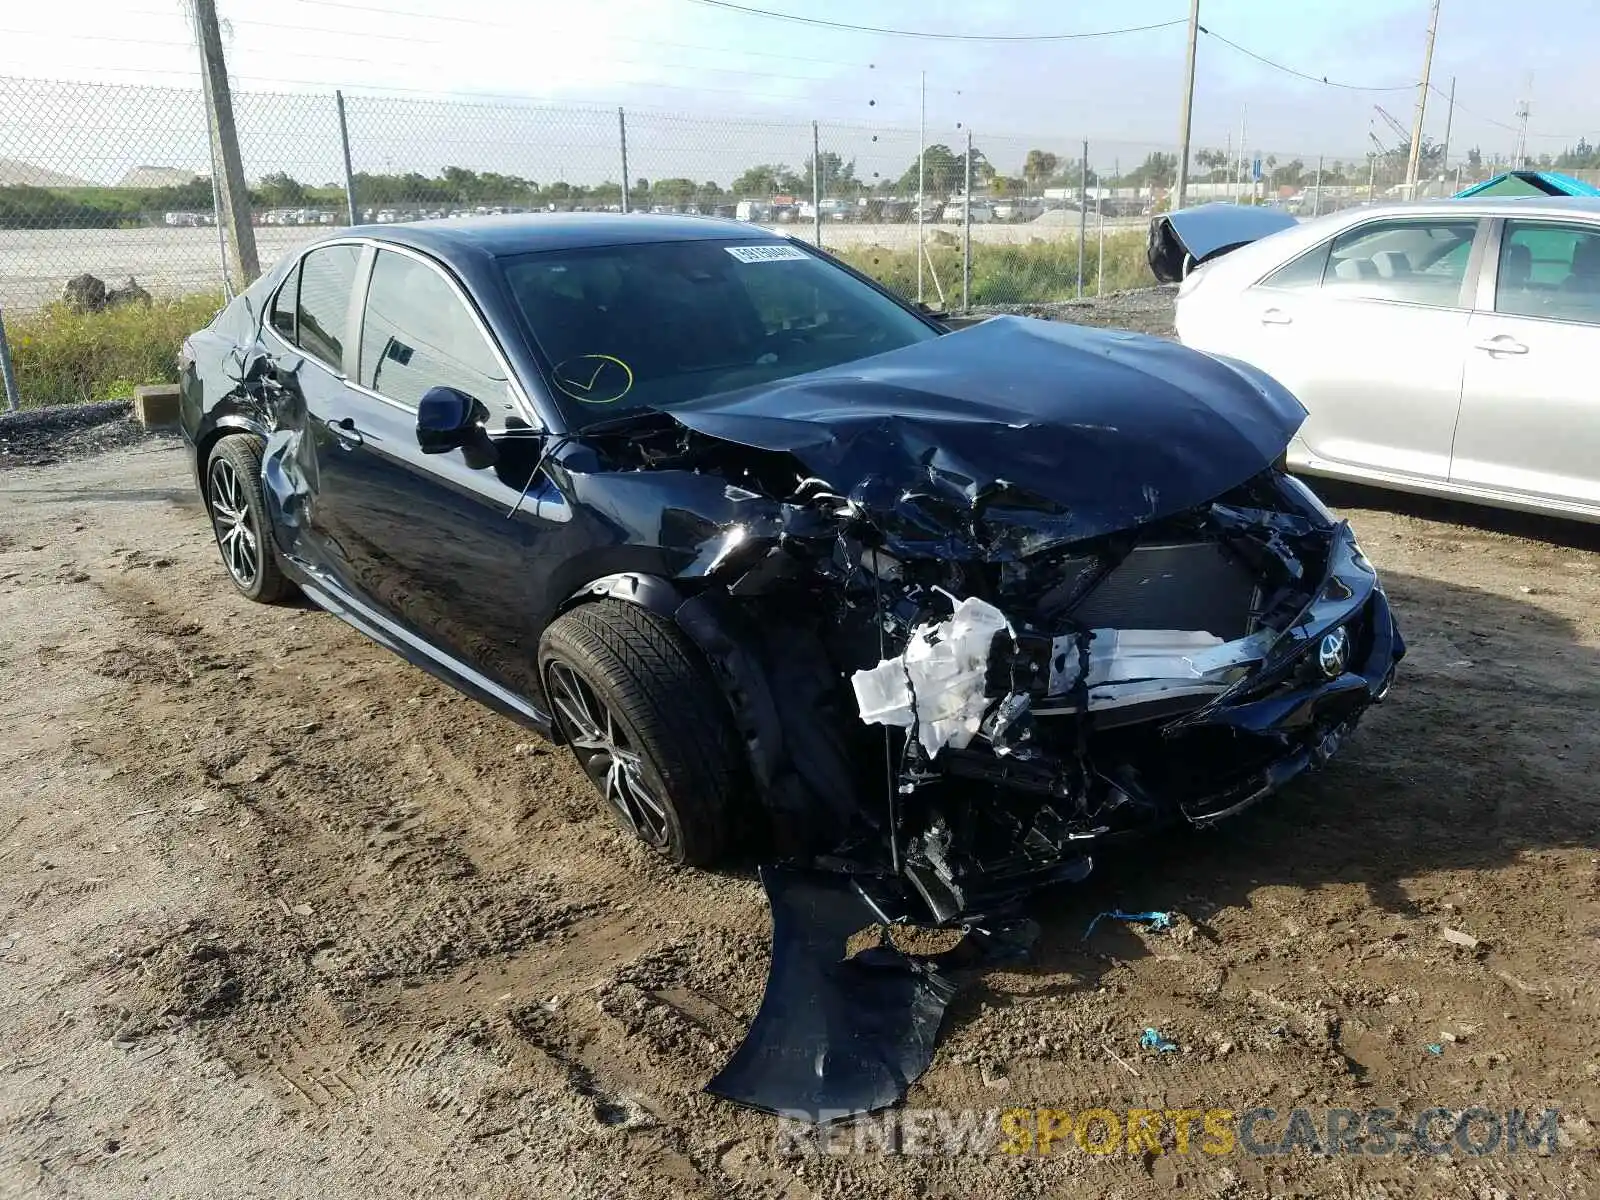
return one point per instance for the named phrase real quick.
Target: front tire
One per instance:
(648, 726)
(239, 519)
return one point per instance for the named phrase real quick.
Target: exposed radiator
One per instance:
(1185, 585)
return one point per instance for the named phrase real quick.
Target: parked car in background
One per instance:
(734, 522)
(1445, 347)
(957, 209)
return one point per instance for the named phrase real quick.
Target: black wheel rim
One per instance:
(607, 757)
(235, 525)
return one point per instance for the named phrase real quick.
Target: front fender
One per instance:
(653, 592)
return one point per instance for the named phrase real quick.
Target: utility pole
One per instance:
(1519, 160)
(966, 229)
(1422, 106)
(232, 191)
(344, 145)
(7, 372)
(1449, 122)
(622, 140)
(816, 188)
(1186, 119)
(1244, 154)
(922, 154)
(1083, 214)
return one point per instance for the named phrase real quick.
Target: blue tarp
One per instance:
(1528, 183)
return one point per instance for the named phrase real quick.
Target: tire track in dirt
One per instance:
(392, 894)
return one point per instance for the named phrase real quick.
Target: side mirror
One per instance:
(449, 419)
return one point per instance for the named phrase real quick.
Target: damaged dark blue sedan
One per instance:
(781, 557)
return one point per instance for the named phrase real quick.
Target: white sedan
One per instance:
(1445, 347)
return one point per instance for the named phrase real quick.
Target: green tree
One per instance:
(944, 172)
(1157, 170)
(838, 176)
(280, 190)
(1039, 166)
(763, 179)
(676, 192)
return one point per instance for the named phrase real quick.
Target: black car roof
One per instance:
(523, 233)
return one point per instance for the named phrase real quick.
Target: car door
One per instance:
(450, 552)
(307, 338)
(1369, 330)
(1530, 415)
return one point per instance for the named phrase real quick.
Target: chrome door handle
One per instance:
(1276, 316)
(345, 432)
(1502, 343)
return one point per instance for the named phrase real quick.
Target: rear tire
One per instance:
(239, 519)
(648, 725)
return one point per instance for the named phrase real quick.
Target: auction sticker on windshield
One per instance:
(757, 254)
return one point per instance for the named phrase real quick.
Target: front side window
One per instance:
(654, 325)
(1549, 270)
(283, 305)
(1411, 261)
(326, 277)
(418, 334)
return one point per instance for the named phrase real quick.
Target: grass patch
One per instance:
(64, 357)
(1034, 272)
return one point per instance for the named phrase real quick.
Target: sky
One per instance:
(700, 80)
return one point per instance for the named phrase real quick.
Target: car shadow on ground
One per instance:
(1561, 531)
(1476, 758)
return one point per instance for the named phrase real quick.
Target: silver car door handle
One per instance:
(1502, 343)
(345, 432)
(1276, 316)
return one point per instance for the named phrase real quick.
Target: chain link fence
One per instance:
(115, 182)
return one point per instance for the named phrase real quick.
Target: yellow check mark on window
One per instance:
(593, 379)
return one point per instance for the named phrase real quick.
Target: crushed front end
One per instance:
(1180, 675)
(985, 602)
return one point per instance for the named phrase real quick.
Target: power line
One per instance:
(488, 24)
(937, 37)
(1559, 137)
(1322, 79)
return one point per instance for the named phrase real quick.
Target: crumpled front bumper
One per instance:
(1293, 712)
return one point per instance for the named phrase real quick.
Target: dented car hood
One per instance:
(1085, 431)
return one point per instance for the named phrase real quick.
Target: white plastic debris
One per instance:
(937, 685)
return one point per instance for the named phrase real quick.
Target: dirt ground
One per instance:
(280, 916)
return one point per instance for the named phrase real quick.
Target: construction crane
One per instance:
(1400, 130)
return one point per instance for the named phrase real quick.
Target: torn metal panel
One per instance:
(1182, 240)
(1128, 666)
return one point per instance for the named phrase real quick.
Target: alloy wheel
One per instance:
(237, 535)
(614, 767)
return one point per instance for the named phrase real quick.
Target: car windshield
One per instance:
(654, 325)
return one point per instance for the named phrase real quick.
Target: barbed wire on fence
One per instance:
(114, 180)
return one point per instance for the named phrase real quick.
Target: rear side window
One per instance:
(418, 334)
(283, 305)
(326, 277)
(1549, 271)
(1303, 272)
(1412, 261)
